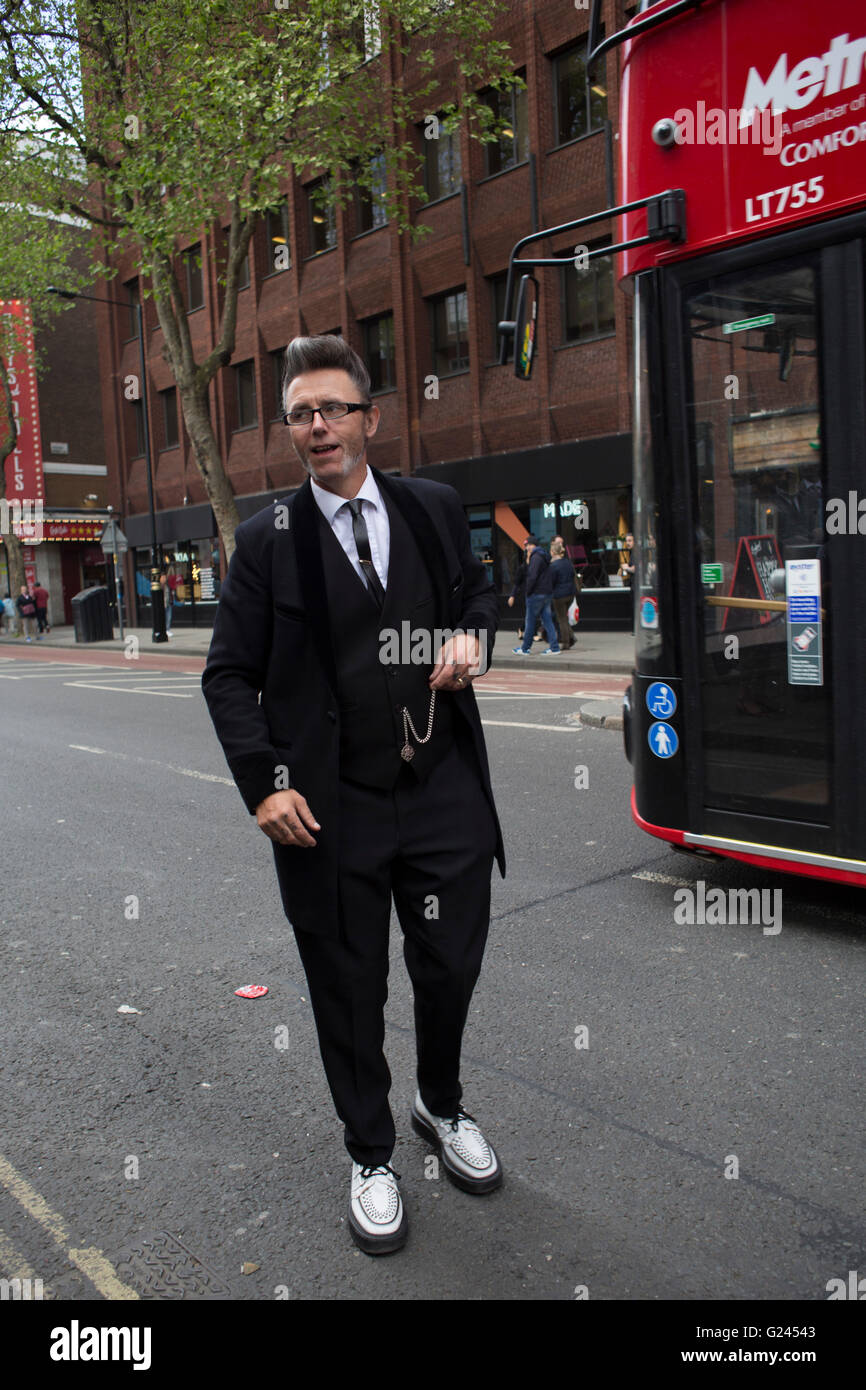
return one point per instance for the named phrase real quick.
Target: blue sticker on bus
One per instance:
(649, 613)
(661, 700)
(663, 740)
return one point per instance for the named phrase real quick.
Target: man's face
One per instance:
(629, 541)
(330, 449)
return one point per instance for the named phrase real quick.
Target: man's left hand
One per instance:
(460, 655)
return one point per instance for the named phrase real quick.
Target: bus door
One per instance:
(769, 618)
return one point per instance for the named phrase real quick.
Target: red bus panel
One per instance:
(720, 73)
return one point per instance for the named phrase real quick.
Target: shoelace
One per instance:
(382, 1168)
(462, 1115)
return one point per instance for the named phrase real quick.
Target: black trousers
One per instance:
(430, 844)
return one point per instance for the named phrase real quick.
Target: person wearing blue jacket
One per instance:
(538, 599)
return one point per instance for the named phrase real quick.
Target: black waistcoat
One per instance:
(371, 692)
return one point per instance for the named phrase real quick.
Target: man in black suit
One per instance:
(364, 762)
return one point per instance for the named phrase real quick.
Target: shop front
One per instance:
(63, 554)
(580, 491)
(190, 556)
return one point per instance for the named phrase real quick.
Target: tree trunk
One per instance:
(196, 416)
(193, 379)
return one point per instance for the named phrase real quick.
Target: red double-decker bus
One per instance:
(743, 241)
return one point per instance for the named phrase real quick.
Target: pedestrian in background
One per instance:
(519, 590)
(538, 591)
(41, 596)
(27, 608)
(168, 589)
(10, 615)
(563, 590)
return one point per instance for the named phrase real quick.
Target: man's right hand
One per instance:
(286, 818)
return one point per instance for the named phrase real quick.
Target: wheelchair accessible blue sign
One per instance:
(663, 740)
(661, 700)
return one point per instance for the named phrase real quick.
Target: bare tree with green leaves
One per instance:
(182, 109)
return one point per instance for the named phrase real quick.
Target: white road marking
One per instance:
(482, 694)
(131, 690)
(550, 728)
(647, 877)
(155, 762)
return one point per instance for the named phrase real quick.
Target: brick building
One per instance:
(549, 455)
(75, 485)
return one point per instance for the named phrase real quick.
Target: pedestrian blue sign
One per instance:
(661, 700)
(663, 740)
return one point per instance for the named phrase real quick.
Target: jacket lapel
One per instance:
(421, 525)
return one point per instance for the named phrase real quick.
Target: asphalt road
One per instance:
(161, 1152)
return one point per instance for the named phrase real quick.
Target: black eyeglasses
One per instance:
(334, 410)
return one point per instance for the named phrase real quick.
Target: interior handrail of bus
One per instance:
(596, 47)
(769, 605)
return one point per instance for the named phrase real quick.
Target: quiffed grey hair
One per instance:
(324, 352)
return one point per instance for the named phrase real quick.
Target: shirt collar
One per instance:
(329, 503)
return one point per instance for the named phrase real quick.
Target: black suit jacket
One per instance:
(270, 680)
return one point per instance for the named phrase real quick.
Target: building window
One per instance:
(497, 285)
(131, 288)
(194, 279)
(323, 218)
(246, 395)
(371, 209)
(587, 298)
(443, 171)
(325, 57)
(581, 97)
(279, 252)
(512, 146)
(450, 333)
(366, 31)
(170, 435)
(379, 352)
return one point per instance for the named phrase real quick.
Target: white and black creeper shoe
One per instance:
(469, 1161)
(377, 1220)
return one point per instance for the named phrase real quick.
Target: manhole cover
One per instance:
(160, 1266)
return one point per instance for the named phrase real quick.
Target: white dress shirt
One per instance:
(337, 513)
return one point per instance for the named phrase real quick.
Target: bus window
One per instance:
(755, 423)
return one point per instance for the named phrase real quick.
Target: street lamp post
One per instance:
(157, 598)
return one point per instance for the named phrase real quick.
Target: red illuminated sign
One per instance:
(24, 477)
(60, 530)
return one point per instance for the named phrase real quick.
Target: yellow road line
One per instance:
(91, 1261)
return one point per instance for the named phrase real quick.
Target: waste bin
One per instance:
(91, 615)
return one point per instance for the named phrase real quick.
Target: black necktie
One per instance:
(362, 541)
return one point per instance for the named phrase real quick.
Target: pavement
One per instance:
(599, 653)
